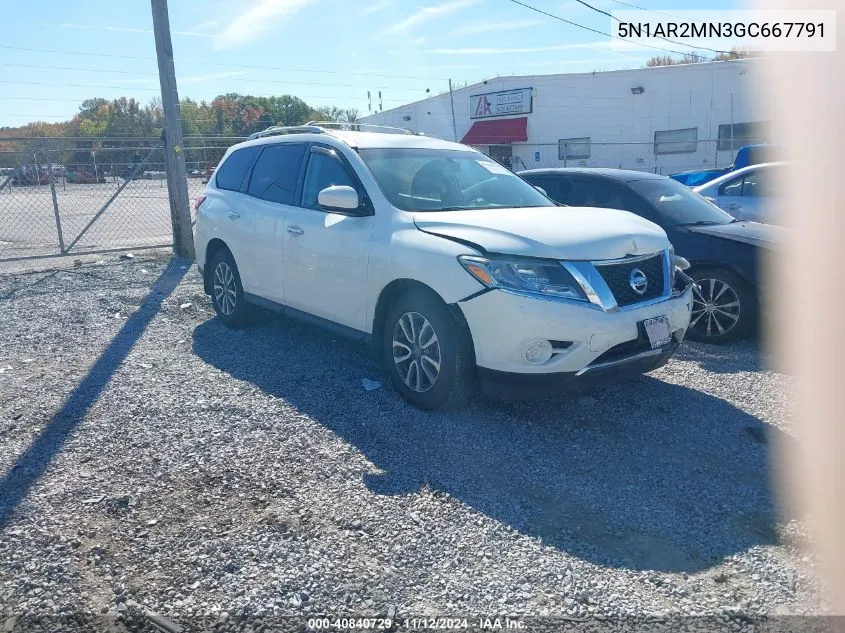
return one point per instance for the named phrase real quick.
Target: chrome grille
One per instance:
(617, 276)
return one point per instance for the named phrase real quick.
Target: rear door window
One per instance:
(234, 169)
(276, 172)
(590, 192)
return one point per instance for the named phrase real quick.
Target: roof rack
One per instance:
(287, 129)
(357, 127)
(322, 127)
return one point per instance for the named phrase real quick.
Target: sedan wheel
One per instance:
(722, 307)
(715, 308)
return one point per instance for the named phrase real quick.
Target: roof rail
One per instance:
(357, 127)
(287, 129)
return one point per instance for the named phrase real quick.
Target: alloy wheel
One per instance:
(715, 308)
(416, 352)
(225, 291)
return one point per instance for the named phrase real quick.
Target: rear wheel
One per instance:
(723, 306)
(426, 352)
(227, 294)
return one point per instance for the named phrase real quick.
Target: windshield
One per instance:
(678, 204)
(445, 180)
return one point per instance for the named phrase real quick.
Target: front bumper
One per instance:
(587, 342)
(538, 385)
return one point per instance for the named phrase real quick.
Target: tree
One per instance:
(734, 53)
(667, 60)
(695, 58)
(350, 115)
(328, 113)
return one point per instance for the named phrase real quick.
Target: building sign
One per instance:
(503, 103)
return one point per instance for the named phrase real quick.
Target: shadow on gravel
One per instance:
(651, 476)
(741, 356)
(13, 291)
(30, 466)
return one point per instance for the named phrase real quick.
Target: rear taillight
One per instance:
(198, 202)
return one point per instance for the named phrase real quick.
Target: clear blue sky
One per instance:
(54, 54)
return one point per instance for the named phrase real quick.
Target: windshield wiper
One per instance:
(699, 223)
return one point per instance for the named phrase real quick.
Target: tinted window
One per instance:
(677, 204)
(233, 170)
(587, 192)
(276, 172)
(323, 171)
(549, 185)
(732, 137)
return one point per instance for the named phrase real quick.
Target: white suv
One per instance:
(452, 265)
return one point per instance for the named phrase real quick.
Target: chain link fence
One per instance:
(65, 196)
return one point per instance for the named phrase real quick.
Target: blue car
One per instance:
(745, 156)
(696, 178)
(724, 252)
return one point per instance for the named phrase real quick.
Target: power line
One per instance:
(206, 64)
(603, 12)
(588, 28)
(633, 6)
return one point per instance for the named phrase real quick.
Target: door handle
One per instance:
(233, 215)
(295, 230)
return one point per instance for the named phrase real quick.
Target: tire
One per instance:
(438, 366)
(730, 316)
(227, 293)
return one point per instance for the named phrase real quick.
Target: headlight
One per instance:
(679, 262)
(539, 277)
(678, 266)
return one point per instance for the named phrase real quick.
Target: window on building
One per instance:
(683, 141)
(733, 136)
(573, 148)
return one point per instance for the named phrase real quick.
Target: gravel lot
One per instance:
(152, 459)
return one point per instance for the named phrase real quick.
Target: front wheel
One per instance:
(426, 352)
(723, 306)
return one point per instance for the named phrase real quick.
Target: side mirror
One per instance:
(338, 198)
(541, 190)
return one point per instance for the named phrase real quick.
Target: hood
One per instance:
(574, 233)
(754, 233)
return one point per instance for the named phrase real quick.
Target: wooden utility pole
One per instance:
(174, 158)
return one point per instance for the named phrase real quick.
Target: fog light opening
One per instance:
(538, 352)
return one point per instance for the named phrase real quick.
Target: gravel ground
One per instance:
(152, 459)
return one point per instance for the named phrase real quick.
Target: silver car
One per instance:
(747, 193)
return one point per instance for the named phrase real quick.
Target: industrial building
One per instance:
(661, 119)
